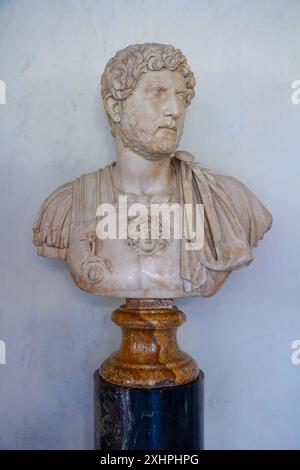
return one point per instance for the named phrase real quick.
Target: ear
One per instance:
(113, 108)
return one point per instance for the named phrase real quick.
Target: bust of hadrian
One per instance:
(146, 89)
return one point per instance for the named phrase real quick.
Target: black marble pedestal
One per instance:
(169, 418)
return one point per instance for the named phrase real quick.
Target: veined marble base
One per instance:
(168, 418)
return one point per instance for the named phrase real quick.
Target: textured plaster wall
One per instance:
(245, 56)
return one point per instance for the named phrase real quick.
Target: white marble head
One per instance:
(145, 90)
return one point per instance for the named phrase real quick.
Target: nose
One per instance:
(172, 107)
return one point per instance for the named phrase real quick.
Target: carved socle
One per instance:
(149, 356)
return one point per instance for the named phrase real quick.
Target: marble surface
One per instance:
(159, 419)
(146, 89)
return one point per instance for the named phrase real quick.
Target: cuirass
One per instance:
(123, 268)
(234, 222)
(118, 267)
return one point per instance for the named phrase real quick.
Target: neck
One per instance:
(136, 174)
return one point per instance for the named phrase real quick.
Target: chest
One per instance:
(127, 267)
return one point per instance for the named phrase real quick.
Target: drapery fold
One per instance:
(234, 221)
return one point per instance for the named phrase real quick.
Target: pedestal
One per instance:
(169, 418)
(149, 394)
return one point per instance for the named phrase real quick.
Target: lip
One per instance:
(168, 128)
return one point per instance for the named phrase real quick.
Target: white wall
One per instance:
(245, 56)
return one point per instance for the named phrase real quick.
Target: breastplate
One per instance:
(125, 267)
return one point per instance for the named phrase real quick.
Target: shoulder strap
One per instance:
(51, 226)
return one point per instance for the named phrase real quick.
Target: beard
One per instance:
(150, 144)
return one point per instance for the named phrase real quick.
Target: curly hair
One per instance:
(124, 69)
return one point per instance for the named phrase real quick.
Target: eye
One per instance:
(181, 94)
(157, 91)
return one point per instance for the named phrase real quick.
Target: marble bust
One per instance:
(146, 89)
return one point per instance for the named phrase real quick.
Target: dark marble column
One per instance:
(167, 418)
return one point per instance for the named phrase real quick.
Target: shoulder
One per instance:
(230, 192)
(51, 226)
(213, 178)
(75, 201)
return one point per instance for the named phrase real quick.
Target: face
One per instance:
(152, 118)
